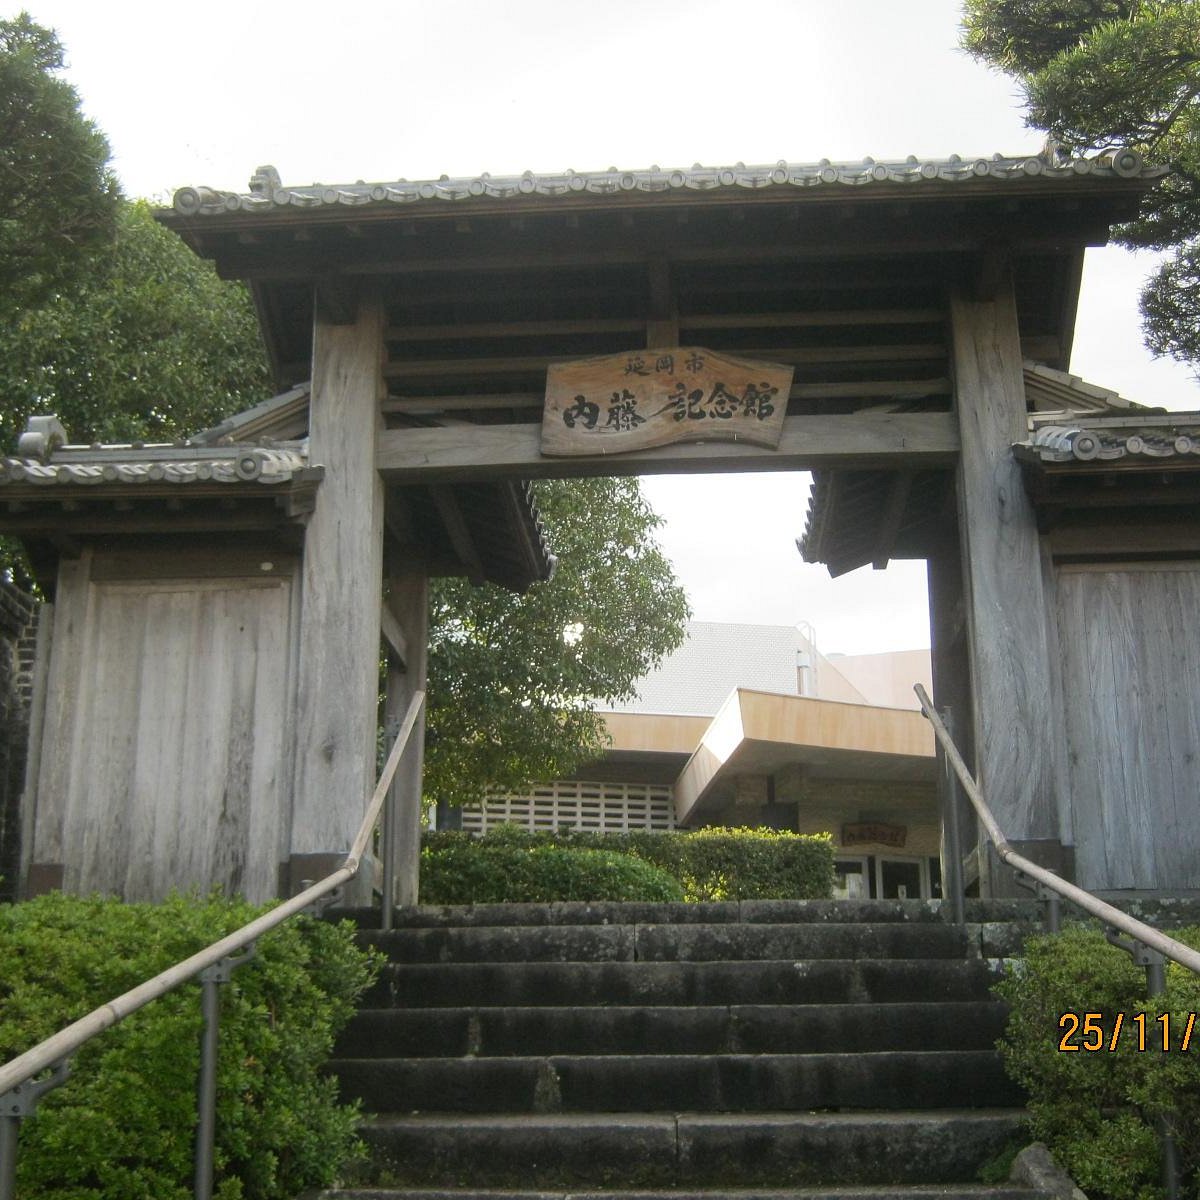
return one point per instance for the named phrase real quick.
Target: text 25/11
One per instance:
(1103, 1031)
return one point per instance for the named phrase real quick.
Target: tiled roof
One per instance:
(267, 192)
(1136, 438)
(98, 465)
(502, 518)
(1050, 391)
(1072, 420)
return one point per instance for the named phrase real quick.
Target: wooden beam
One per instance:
(449, 511)
(897, 389)
(893, 514)
(35, 523)
(814, 320)
(662, 324)
(258, 263)
(337, 301)
(458, 368)
(393, 635)
(1045, 349)
(865, 389)
(503, 329)
(859, 440)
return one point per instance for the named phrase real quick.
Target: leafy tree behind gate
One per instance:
(58, 199)
(1099, 74)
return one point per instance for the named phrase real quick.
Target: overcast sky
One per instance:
(377, 90)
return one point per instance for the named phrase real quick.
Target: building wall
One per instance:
(603, 806)
(1130, 675)
(885, 679)
(18, 640)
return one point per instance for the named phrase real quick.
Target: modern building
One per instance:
(752, 725)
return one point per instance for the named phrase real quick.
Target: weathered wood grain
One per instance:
(468, 368)
(392, 634)
(1131, 674)
(863, 389)
(615, 403)
(408, 598)
(33, 750)
(178, 740)
(1006, 610)
(64, 687)
(807, 443)
(342, 576)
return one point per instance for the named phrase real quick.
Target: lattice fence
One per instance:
(608, 807)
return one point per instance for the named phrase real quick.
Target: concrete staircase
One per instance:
(762, 1049)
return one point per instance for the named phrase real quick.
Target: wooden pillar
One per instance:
(337, 675)
(408, 601)
(1014, 720)
(950, 660)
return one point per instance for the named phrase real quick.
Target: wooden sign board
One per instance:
(650, 398)
(863, 832)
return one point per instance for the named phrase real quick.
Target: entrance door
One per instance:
(900, 879)
(850, 879)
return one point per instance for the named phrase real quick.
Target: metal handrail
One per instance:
(1093, 905)
(68, 1040)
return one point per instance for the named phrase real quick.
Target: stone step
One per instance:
(658, 1083)
(727, 1029)
(671, 942)
(961, 1191)
(705, 1151)
(555, 984)
(770, 912)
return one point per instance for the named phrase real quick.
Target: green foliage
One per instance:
(1023, 36)
(1095, 1108)
(122, 1126)
(1104, 73)
(513, 679)
(708, 864)
(58, 200)
(466, 871)
(149, 346)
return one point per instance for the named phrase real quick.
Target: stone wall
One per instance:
(18, 641)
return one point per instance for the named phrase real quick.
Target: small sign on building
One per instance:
(646, 398)
(863, 833)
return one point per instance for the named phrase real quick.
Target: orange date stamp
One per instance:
(1097, 1031)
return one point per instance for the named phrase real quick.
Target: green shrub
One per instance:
(709, 864)
(1096, 1108)
(497, 871)
(122, 1127)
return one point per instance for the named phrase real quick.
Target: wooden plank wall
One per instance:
(163, 767)
(1131, 680)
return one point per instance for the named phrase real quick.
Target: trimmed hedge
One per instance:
(122, 1126)
(467, 871)
(1095, 1108)
(708, 864)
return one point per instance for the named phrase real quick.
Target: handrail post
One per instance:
(387, 845)
(15, 1105)
(10, 1127)
(1155, 965)
(953, 883)
(211, 979)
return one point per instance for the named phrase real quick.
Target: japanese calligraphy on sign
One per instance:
(650, 398)
(864, 832)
